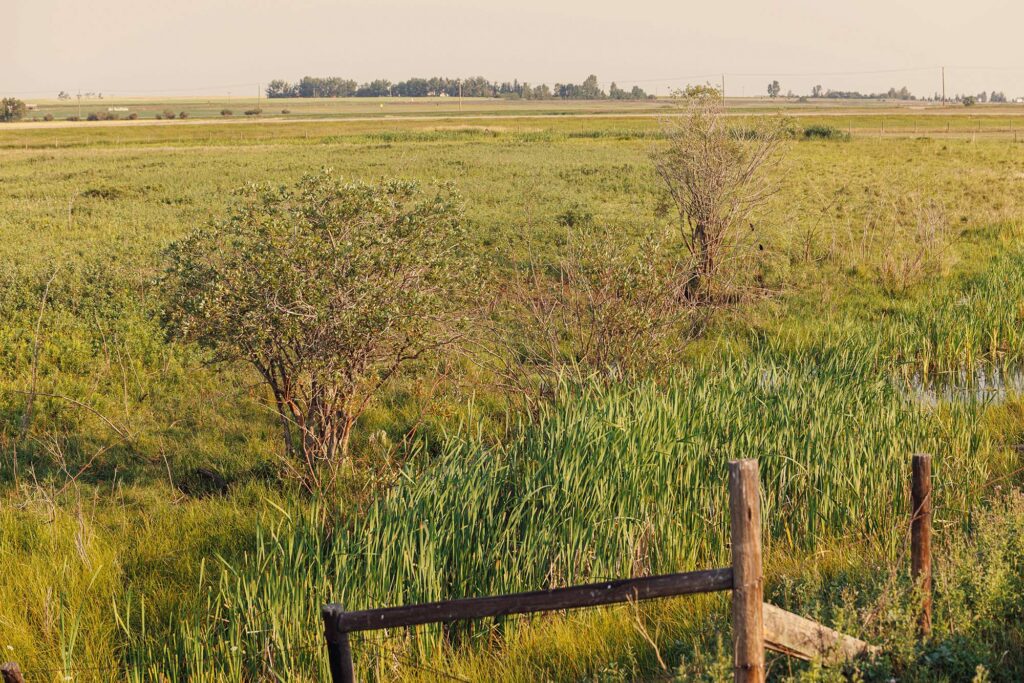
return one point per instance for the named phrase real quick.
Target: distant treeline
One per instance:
(893, 94)
(904, 94)
(476, 86)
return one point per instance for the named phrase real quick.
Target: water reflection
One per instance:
(983, 384)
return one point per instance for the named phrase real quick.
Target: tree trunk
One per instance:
(346, 434)
(705, 262)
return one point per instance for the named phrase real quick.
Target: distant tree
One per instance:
(982, 97)
(774, 89)
(590, 90)
(967, 100)
(816, 91)
(12, 109)
(715, 178)
(477, 86)
(63, 95)
(378, 88)
(329, 290)
(637, 93)
(997, 97)
(279, 88)
(542, 92)
(617, 93)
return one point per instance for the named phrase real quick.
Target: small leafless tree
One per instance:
(715, 175)
(603, 309)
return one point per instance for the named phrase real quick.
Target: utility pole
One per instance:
(943, 86)
(79, 104)
(723, 88)
(258, 96)
(460, 94)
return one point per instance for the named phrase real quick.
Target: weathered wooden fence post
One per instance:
(339, 654)
(747, 578)
(921, 536)
(11, 673)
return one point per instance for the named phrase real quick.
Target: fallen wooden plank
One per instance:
(802, 638)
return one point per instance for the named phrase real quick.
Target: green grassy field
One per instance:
(146, 531)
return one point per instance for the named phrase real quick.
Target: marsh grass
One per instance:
(136, 568)
(831, 437)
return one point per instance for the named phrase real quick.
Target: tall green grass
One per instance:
(610, 482)
(973, 320)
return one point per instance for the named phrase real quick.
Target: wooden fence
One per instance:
(756, 625)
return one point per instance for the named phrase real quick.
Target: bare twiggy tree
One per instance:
(715, 175)
(602, 310)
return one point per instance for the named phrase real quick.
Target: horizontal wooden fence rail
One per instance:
(755, 624)
(590, 595)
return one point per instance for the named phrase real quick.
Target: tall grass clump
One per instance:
(820, 131)
(980, 321)
(833, 442)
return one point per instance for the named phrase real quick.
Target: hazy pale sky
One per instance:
(218, 46)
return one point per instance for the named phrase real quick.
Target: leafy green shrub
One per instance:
(820, 131)
(978, 619)
(226, 112)
(576, 216)
(328, 289)
(168, 114)
(108, 193)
